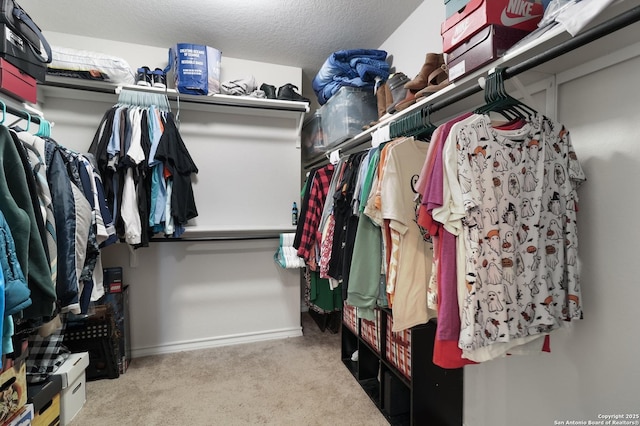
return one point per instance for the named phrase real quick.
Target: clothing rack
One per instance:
(607, 27)
(208, 239)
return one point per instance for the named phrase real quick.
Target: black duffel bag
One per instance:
(21, 23)
(22, 42)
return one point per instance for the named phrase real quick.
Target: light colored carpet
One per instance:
(295, 381)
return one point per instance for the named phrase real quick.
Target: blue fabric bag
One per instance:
(196, 68)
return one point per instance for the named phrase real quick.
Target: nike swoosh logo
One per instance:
(510, 22)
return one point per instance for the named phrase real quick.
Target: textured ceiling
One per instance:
(300, 33)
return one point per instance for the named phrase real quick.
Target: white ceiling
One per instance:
(300, 33)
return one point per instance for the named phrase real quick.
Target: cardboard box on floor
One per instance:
(73, 395)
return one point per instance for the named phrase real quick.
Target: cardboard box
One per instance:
(49, 415)
(73, 395)
(112, 279)
(17, 83)
(45, 398)
(485, 46)
(478, 14)
(13, 388)
(23, 417)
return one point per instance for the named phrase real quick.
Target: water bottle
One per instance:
(294, 214)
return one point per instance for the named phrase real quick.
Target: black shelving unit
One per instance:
(432, 396)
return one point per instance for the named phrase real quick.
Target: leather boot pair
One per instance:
(432, 62)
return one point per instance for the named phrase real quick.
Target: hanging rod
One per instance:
(21, 113)
(612, 25)
(207, 239)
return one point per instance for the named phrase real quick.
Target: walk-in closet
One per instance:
(442, 235)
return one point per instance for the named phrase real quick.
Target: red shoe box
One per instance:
(483, 47)
(16, 83)
(478, 14)
(350, 317)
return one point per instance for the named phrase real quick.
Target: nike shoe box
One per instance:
(454, 6)
(479, 14)
(482, 48)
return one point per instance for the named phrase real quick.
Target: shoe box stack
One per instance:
(476, 32)
(341, 118)
(20, 68)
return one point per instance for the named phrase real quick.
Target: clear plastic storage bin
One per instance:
(346, 112)
(313, 142)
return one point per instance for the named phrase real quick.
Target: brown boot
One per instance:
(381, 97)
(431, 62)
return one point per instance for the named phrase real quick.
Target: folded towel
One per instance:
(239, 87)
(355, 68)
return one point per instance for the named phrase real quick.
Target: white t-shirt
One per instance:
(518, 190)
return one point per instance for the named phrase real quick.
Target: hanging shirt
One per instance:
(317, 196)
(415, 259)
(520, 233)
(176, 158)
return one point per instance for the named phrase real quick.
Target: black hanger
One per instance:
(498, 100)
(428, 127)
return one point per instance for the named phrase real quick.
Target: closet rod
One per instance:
(20, 113)
(610, 26)
(206, 239)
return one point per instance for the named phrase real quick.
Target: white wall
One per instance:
(189, 295)
(592, 368)
(417, 36)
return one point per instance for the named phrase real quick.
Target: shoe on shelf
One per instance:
(159, 78)
(438, 80)
(432, 62)
(269, 90)
(143, 77)
(288, 93)
(398, 92)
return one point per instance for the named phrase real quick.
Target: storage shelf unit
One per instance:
(432, 396)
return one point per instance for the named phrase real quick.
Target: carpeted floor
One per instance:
(295, 381)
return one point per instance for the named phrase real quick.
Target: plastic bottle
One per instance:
(294, 214)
